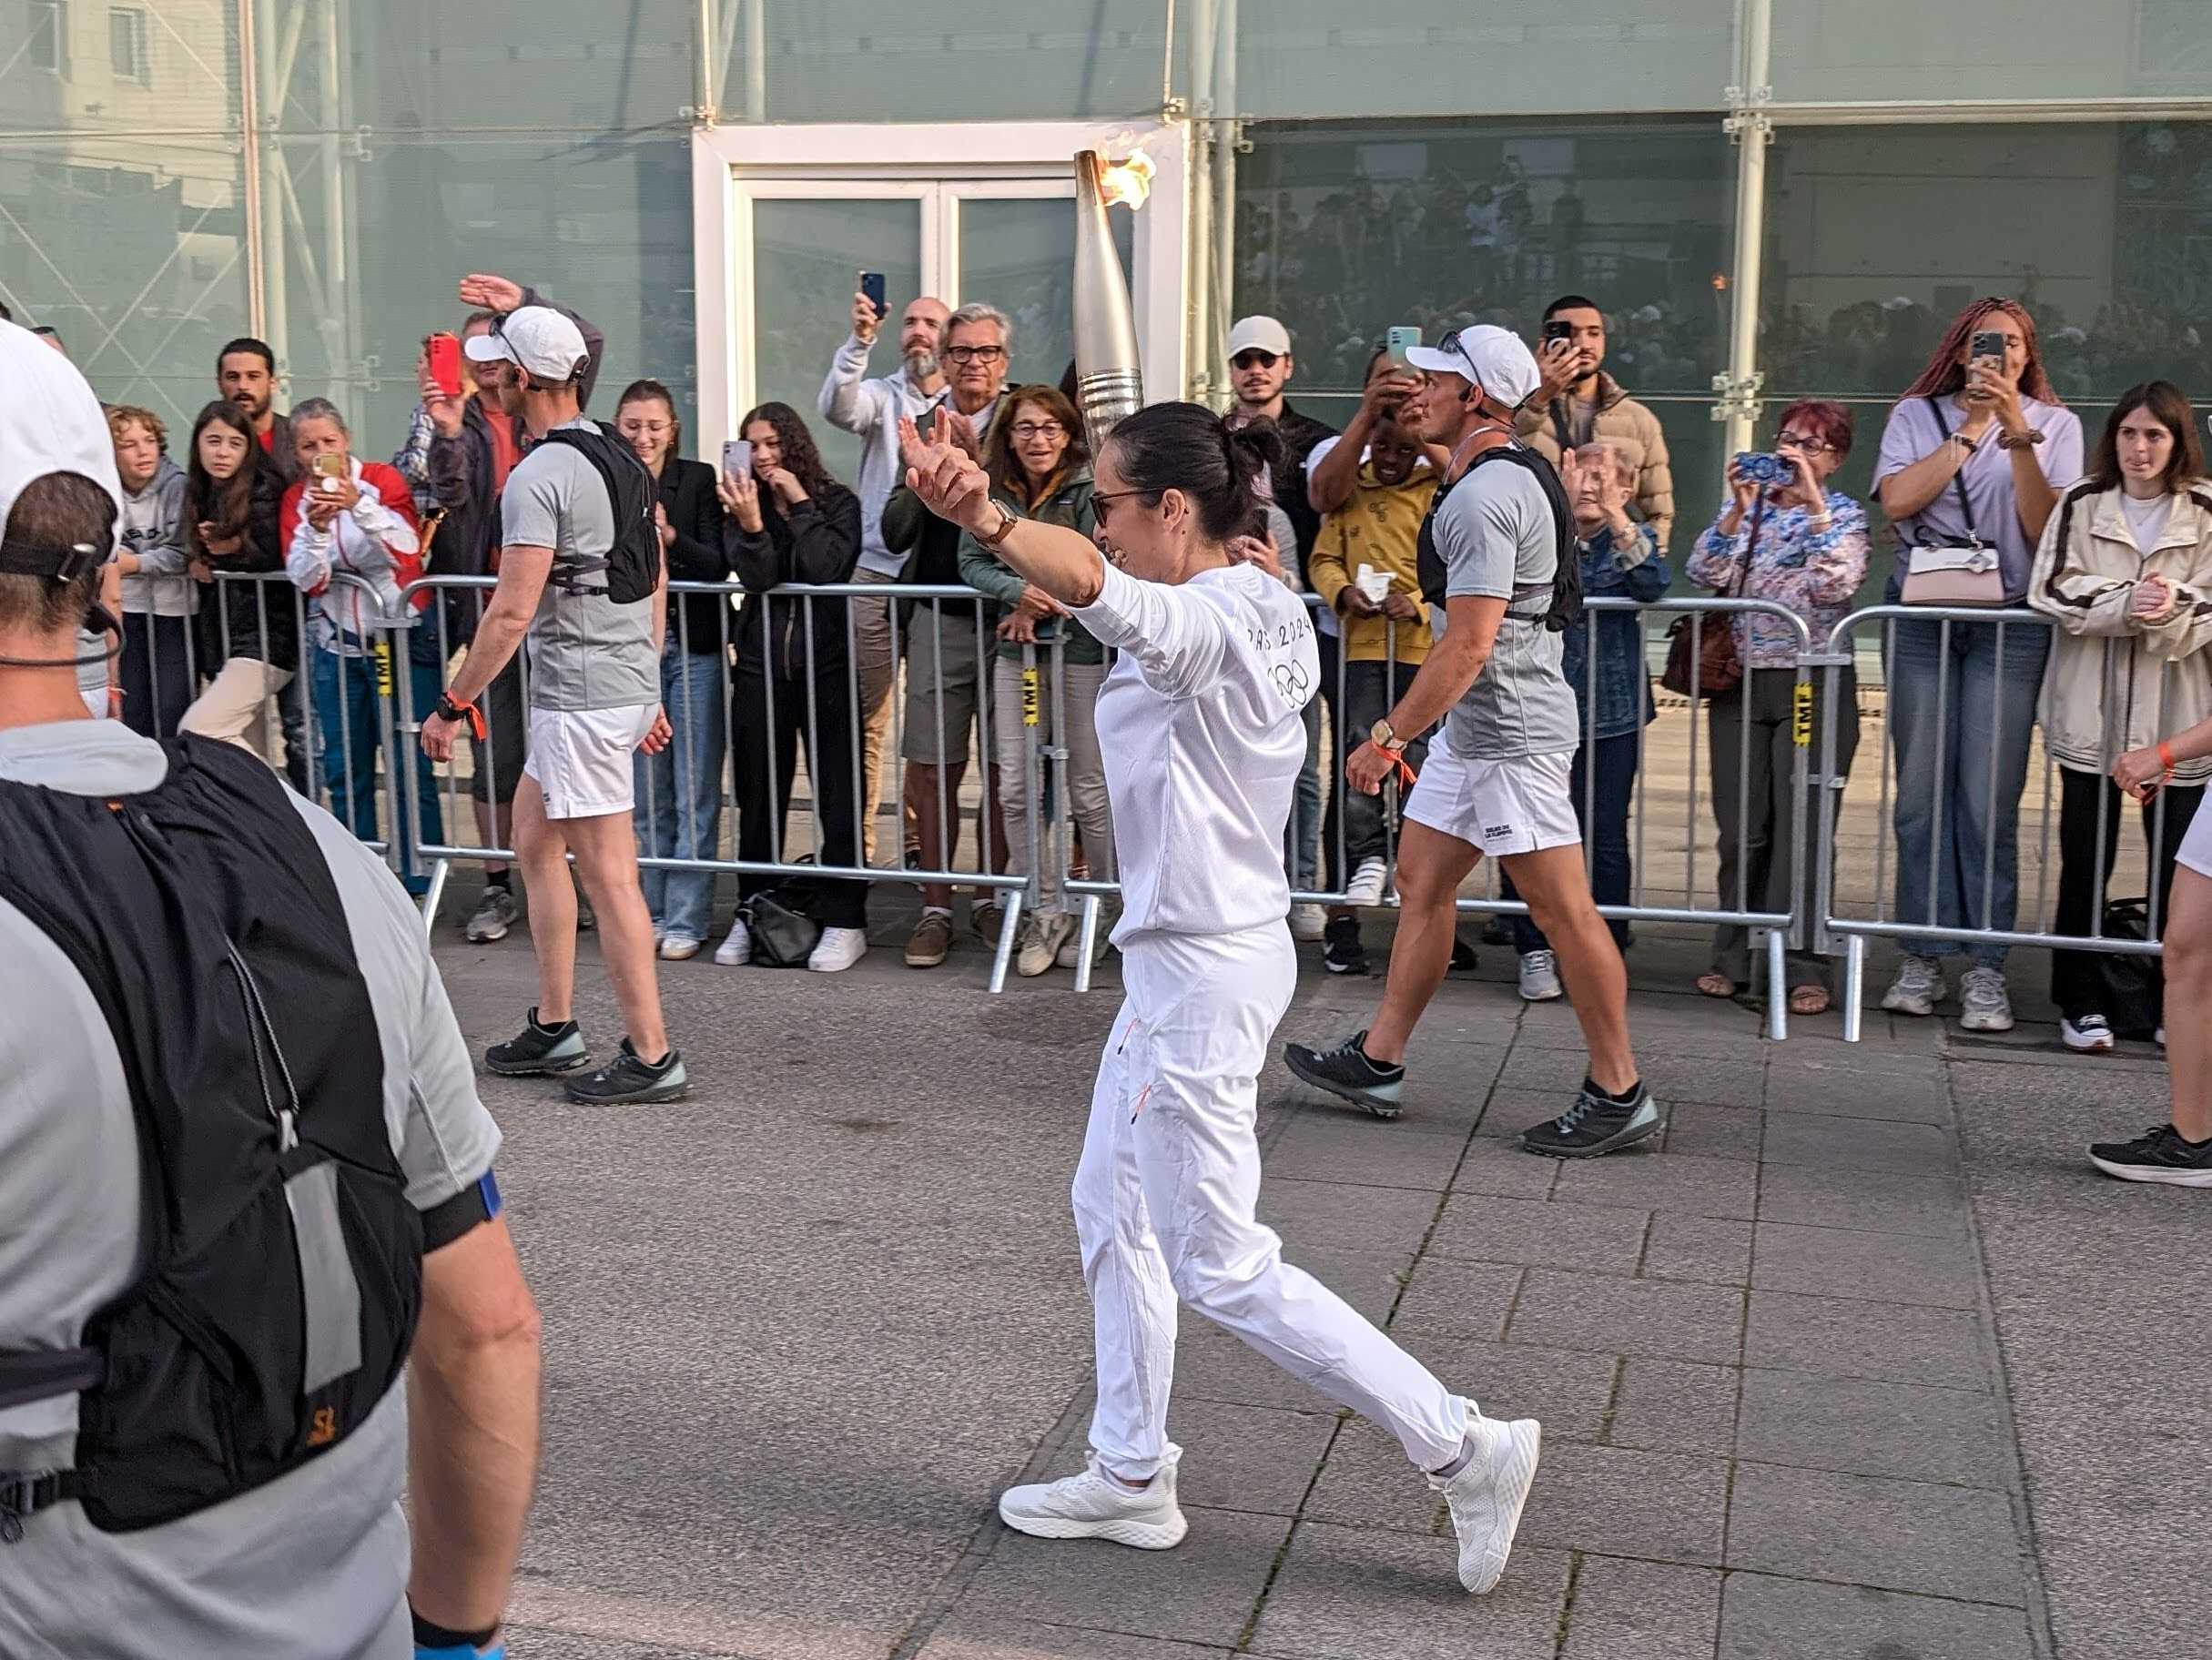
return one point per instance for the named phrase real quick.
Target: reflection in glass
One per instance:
(1017, 255)
(807, 257)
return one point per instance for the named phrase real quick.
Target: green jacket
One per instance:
(1070, 506)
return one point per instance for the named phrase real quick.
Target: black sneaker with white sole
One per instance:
(1344, 953)
(627, 1078)
(539, 1049)
(2158, 1154)
(1595, 1124)
(1346, 1072)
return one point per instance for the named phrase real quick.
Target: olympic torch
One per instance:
(1108, 384)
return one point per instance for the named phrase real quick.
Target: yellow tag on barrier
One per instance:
(1029, 694)
(1800, 713)
(383, 666)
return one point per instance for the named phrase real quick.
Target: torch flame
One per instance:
(1128, 181)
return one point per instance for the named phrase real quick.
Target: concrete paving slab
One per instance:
(1368, 1482)
(1315, 1149)
(1663, 1181)
(1344, 1216)
(1491, 1165)
(1346, 1593)
(1833, 1142)
(1708, 1130)
(1458, 1300)
(1623, 1502)
(1763, 1617)
(1634, 1316)
(1840, 1339)
(1916, 1536)
(1877, 1267)
(1867, 1200)
(1568, 1393)
(1704, 1248)
(982, 1639)
(1648, 1610)
(1540, 1233)
(1864, 1428)
(1675, 1406)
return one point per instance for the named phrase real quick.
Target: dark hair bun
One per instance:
(1187, 447)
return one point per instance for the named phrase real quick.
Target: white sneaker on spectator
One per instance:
(676, 946)
(2090, 1035)
(1366, 885)
(1918, 987)
(737, 949)
(838, 950)
(1985, 1005)
(1540, 977)
(1093, 1505)
(1487, 1493)
(1307, 921)
(1042, 935)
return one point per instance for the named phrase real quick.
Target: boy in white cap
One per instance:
(1499, 572)
(595, 699)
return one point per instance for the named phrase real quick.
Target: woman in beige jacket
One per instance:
(2124, 566)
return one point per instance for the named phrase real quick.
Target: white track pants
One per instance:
(1165, 1198)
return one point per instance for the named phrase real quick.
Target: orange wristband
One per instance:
(2166, 756)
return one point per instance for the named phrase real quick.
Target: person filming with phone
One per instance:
(1973, 460)
(1578, 403)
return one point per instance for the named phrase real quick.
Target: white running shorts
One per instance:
(1522, 806)
(581, 758)
(2195, 849)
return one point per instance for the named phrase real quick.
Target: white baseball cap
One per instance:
(1261, 334)
(50, 422)
(1496, 360)
(540, 339)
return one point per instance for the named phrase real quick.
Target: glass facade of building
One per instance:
(175, 172)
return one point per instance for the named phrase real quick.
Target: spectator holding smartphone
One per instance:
(1976, 450)
(1578, 403)
(2126, 568)
(1801, 545)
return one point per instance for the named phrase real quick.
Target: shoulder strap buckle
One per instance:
(24, 1493)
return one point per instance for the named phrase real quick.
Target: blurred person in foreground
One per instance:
(173, 925)
(1200, 732)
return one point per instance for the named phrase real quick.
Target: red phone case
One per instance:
(445, 363)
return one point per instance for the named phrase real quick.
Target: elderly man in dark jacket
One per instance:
(472, 444)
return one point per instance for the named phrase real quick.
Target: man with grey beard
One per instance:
(872, 410)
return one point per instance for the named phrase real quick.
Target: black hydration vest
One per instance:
(634, 563)
(280, 1263)
(1563, 592)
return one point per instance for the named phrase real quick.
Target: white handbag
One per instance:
(1962, 573)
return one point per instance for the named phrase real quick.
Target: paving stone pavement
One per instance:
(1860, 1361)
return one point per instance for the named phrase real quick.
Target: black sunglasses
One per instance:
(1247, 357)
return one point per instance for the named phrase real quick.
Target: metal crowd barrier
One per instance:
(2016, 717)
(754, 629)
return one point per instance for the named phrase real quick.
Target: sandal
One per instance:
(1715, 984)
(1809, 1000)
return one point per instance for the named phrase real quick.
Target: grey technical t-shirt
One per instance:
(315, 1562)
(1493, 530)
(585, 651)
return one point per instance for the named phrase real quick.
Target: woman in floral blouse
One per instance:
(1804, 546)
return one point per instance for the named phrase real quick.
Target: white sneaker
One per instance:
(1487, 1496)
(1918, 987)
(1093, 1505)
(676, 947)
(737, 949)
(1366, 885)
(1986, 1006)
(1307, 921)
(2091, 1035)
(837, 949)
(1042, 938)
(1540, 977)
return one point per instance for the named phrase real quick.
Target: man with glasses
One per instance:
(871, 411)
(1260, 367)
(1496, 548)
(944, 654)
(1578, 403)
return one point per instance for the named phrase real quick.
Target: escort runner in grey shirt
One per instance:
(585, 651)
(316, 1562)
(1494, 531)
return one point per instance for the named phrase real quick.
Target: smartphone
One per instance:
(737, 459)
(871, 285)
(444, 362)
(1558, 329)
(1987, 343)
(1399, 341)
(328, 469)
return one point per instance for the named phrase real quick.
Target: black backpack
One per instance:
(634, 565)
(1563, 592)
(280, 1270)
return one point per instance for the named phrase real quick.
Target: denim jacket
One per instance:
(1621, 682)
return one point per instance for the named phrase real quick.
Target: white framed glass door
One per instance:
(789, 217)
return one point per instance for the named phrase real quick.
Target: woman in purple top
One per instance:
(1963, 698)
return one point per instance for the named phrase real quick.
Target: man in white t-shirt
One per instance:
(1498, 540)
(594, 700)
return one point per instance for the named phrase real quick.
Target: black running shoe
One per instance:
(1346, 1070)
(1344, 953)
(626, 1080)
(539, 1049)
(1595, 1124)
(2158, 1154)
(1464, 960)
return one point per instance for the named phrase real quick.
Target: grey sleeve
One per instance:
(450, 1139)
(530, 508)
(1478, 537)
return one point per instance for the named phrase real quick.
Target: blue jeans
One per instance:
(349, 730)
(1602, 795)
(1302, 856)
(1960, 772)
(678, 813)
